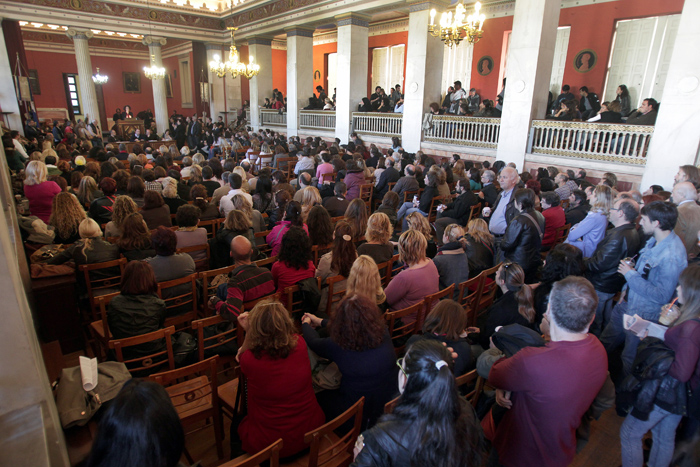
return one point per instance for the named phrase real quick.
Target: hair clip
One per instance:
(440, 364)
(347, 238)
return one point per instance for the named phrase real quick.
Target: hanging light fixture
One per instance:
(97, 78)
(233, 66)
(153, 71)
(453, 29)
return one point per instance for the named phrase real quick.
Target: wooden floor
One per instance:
(602, 450)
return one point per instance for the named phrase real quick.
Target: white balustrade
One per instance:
(597, 141)
(272, 117)
(317, 119)
(377, 123)
(468, 131)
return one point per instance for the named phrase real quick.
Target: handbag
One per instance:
(184, 348)
(227, 348)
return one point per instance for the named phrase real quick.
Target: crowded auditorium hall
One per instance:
(368, 233)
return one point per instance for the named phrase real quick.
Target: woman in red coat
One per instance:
(281, 400)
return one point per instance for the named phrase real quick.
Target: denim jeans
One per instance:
(406, 209)
(615, 335)
(663, 429)
(603, 312)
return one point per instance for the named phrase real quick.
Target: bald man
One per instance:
(688, 224)
(246, 282)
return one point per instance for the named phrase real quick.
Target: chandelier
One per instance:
(453, 29)
(97, 78)
(233, 66)
(153, 71)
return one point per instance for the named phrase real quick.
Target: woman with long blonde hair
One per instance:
(66, 216)
(88, 191)
(241, 203)
(123, 206)
(364, 279)
(479, 246)
(378, 234)
(310, 197)
(591, 230)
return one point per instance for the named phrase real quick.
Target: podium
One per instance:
(126, 127)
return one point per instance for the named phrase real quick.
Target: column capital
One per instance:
(416, 6)
(352, 19)
(261, 40)
(79, 33)
(154, 41)
(300, 31)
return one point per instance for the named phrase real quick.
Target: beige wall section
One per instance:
(30, 431)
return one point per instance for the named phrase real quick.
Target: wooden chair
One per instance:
(340, 451)
(328, 177)
(433, 299)
(408, 195)
(223, 336)
(180, 296)
(366, 192)
(195, 251)
(100, 329)
(391, 405)
(565, 203)
(474, 212)
(293, 300)
(561, 234)
(290, 167)
(385, 271)
(211, 226)
(285, 160)
(467, 379)
(264, 263)
(334, 295)
(395, 269)
(196, 400)
(469, 291)
(320, 250)
(101, 279)
(249, 305)
(487, 292)
(261, 241)
(270, 454)
(335, 220)
(406, 329)
(146, 364)
(209, 290)
(432, 212)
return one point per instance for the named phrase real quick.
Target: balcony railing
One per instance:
(376, 123)
(272, 117)
(598, 141)
(317, 119)
(467, 131)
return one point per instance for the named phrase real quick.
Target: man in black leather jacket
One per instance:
(523, 238)
(601, 268)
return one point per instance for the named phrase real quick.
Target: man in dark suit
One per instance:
(136, 136)
(194, 133)
(390, 175)
(489, 192)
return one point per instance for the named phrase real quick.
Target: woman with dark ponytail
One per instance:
(431, 424)
(514, 307)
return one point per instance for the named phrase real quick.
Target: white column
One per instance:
(300, 74)
(8, 98)
(217, 102)
(87, 86)
(160, 104)
(528, 73)
(351, 77)
(260, 49)
(676, 134)
(423, 72)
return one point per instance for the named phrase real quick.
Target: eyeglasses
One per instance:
(399, 363)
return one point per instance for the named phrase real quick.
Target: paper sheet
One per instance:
(88, 373)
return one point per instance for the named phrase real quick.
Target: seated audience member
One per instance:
(325, 168)
(458, 211)
(338, 261)
(423, 205)
(337, 205)
(406, 183)
(187, 233)
(208, 211)
(246, 282)
(137, 309)
(479, 247)
(622, 241)
(292, 218)
(310, 198)
(645, 114)
(389, 206)
(553, 385)
(489, 191)
(522, 240)
(142, 417)
(236, 224)
(39, 191)
(354, 178)
(562, 261)
(101, 208)
(451, 260)
(446, 323)
(208, 182)
(263, 198)
(305, 164)
(155, 212)
(578, 207)
(149, 177)
(420, 278)
(663, 416)
(170, 196)
(378, 233)
(364, 280)
(356, 215)
(123, 207)
(294, 260)
(431, 424)
(554, 218)
(135, 190)
(302, 182)
(66, 216)
(688, 224)
(360, 345)
(226, 203)
(416, 221)
(135, 240)
(388, 175)
(319, 225)
(241, 172)
(275, 362)
(242, 203)
(686, 173)
(590, 231)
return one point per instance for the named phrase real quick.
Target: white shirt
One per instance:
(457, 95)
(20, 148)
(226, 203)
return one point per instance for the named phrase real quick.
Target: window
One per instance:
(72, 92)
(186, 83)
(457, 66)
(387, 67)
(332, 67)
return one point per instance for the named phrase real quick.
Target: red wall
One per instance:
(491, 44)
(320, 64)
(279, 70)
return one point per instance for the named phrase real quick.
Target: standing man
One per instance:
(457, 96)
(503, 210)
(685, 196)
(548, 389)
(601, 268)
(445, 107)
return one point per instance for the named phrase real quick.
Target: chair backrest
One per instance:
(207, 277)
(340, 452)
(328, 177)
(334, 295)
(366, 195)
(249, 305)
(395, 268)
(334, 220)
(474, 212)
(390, 186)
(432, 300)
(150, 362)
(266, 263)
(432, 212)
(467, 379)
(200, 254)
(469, 291)
(211, 226)
(222, 335)
(102, 303)
(293, 300)
(270, 454)
(565, 204)
(385, 271)
(261, 242)
(391, 405)
(402, 330)
(101, 278)
(487, 293)
(408, 195)
(561, 234)
(320, 250)
(180, 296)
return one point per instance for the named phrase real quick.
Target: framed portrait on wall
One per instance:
(132, 82)
(168, 86)
(34, 82)
(485, 65)
(585, 60)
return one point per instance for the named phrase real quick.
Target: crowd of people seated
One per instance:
(568, 259)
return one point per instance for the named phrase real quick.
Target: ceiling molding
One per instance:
(176, 50)
(69, 49)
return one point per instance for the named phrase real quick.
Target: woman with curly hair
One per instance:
(378, 233)
(359, 343)
(319, 225)
(135, 242)
(292, 218)
(310, 197)
(66, 216)
(123, 206)
(294, 261)
(356, 215)
(364, 279)
(170, 196)
(198, 195)
(338, 261)
(417, 221)
(275, 362)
